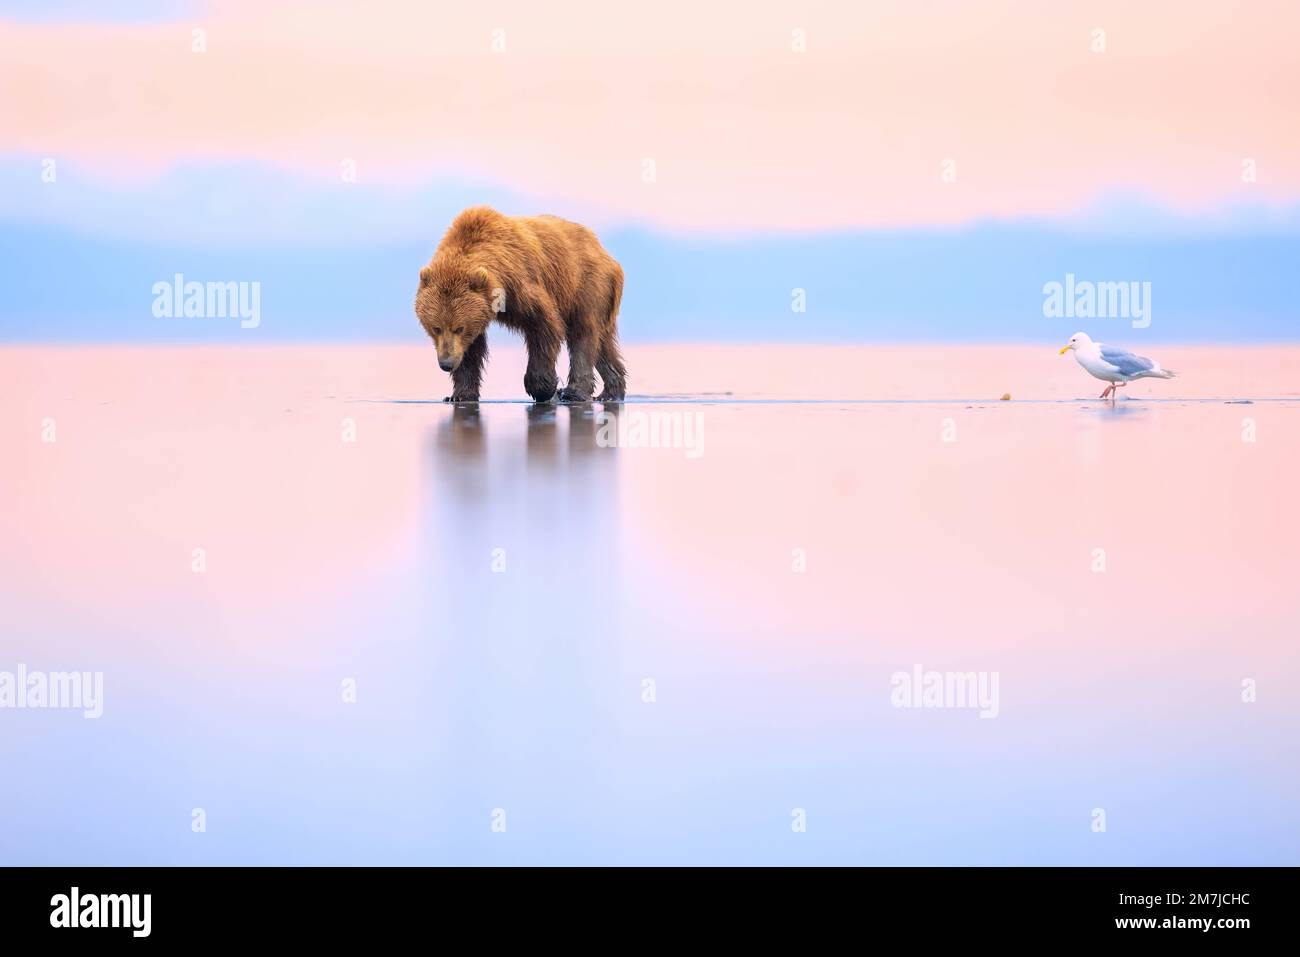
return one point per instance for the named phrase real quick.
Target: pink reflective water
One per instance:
(500, 586)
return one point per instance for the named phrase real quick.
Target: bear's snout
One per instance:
(447, 365)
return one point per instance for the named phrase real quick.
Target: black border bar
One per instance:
(207, 905)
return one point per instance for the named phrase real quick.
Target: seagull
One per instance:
(1112, 364)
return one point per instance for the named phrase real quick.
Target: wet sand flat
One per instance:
(639, 651)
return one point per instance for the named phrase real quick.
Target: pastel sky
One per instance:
(744, 132)
(921, 168)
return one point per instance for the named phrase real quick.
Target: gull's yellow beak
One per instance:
(1064, 349)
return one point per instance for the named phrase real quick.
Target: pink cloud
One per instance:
(743, 132)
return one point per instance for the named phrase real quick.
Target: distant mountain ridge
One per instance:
(979, 283)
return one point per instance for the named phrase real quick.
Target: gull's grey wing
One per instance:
(1125, 361)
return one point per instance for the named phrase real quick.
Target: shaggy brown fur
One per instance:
(542, 276)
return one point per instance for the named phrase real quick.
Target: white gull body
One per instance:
(1111, 363)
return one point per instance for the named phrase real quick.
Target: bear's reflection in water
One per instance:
(520, 537)
(520, 533)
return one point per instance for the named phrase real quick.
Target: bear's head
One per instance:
(454, 305)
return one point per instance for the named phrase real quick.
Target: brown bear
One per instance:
(542, 276)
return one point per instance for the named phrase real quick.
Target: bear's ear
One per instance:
(480, 280)
(426, 276)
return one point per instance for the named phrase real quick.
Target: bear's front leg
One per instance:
(582, 381)
(466, 376)
(540, 379)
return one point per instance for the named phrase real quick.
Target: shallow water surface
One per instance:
(673, 654)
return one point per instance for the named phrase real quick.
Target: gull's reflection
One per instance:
(1120, 410)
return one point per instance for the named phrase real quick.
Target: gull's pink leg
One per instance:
(1107, 391)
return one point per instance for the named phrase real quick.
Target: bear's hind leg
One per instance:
(609, 363)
